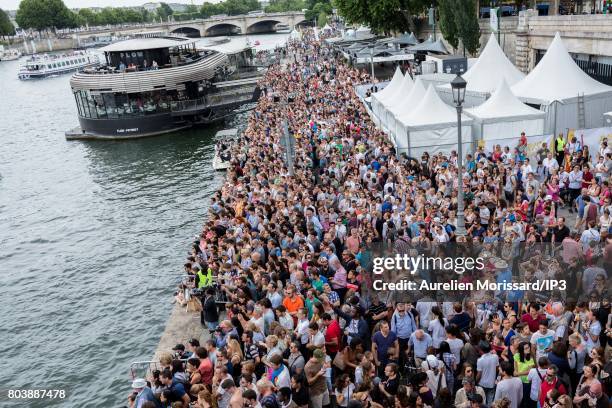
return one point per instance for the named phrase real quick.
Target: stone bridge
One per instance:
(243, 24)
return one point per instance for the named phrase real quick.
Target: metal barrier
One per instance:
(145, 369)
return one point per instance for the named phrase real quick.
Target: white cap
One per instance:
(139, 383)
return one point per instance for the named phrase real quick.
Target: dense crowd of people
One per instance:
(289, 252)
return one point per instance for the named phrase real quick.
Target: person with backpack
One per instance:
(551, 382)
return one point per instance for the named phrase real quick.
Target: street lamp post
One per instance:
(458, 86)
(372, 59)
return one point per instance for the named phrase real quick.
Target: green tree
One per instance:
(210, 9)
(236, 7)
(279, 6)
(44, 14)
(466, 21)
(381, 15)
(448, 25)
(88, 17)
(6, 26)
(163, 11)
(317, 9)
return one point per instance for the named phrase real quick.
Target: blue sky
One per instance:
(13, 4)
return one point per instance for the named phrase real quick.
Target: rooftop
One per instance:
(139, 44)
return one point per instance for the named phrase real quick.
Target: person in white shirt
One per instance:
(535, 377)
(526, 169)
(510, 387)
(437, 327)
(486, 369)
(542, 340)
(550, 164)
(592, 330)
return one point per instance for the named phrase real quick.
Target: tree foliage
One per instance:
(163, 11)
(466, 21)
(316, 9)
(6, 26)
(448, 25)
(210, 9)
(279, 6)
(44, 14)
(112, 16)
(381, 15)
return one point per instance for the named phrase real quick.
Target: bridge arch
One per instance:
(263, 26)
(222, 29)
(190, 32)
(303, 23)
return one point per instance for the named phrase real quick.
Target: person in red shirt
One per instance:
(333, 335)
(551, 382)
(533, 318)
(206, 366)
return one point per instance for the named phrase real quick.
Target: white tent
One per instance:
(483, 77)
(405, 108)
(561, 87)
(386, 92)
(503, 116)
(432, 127)
(388, 118)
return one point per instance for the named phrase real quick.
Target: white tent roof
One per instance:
(492, 64)
(556, 77)
(411, 100)
(400, 92)
(503, 105)
(388, 90)
(432, 111)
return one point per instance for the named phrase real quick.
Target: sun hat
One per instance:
(139, 383)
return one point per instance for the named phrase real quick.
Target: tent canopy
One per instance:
(430, 46)
(406, 39)
(492, 64)
(432, 112)
(391, 87)
(556, 78)
(504, 105)
(398, 94)
(410, 100)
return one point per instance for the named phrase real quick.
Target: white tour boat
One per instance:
(44, 65)
(10, 54)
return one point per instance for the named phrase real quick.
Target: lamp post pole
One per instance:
(372, 60)
(458, 86)
(460, 230)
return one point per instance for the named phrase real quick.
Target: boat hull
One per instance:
(128, 128)
(26, 75)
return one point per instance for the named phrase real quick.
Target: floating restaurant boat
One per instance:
(10, 54)
(155, 85)
(45, 65)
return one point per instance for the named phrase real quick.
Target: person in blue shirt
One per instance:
(175, 391)
(143, 393)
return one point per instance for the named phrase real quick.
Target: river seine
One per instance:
(93, 236)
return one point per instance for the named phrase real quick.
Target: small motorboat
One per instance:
(222, 158)
(256, 42)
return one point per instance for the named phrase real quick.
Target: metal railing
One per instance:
(221, 98)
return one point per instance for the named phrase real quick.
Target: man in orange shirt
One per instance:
(292, 302)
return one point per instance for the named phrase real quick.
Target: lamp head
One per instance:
(458, 85)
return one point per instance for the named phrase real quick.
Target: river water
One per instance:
(93, 236)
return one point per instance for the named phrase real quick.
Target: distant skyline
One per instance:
(14, 4)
